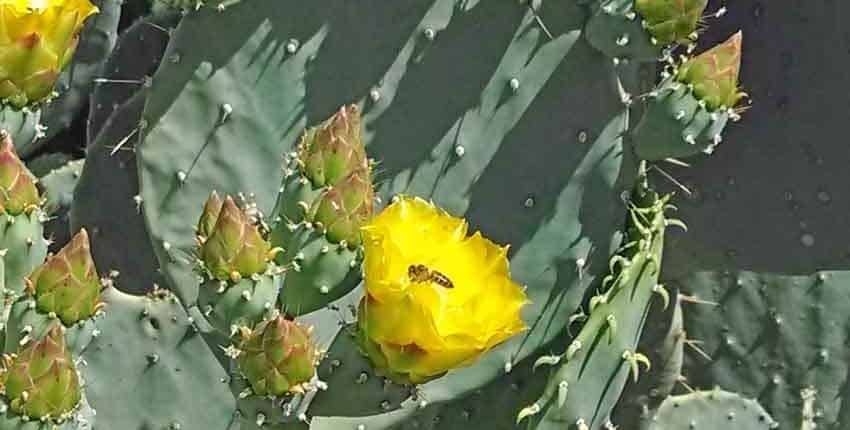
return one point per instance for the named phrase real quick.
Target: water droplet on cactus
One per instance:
(529, 202)
(824, 197)
(808, 240)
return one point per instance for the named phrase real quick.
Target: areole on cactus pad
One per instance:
(37, 40)
(436, 299)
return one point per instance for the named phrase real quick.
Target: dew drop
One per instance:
(807, 239)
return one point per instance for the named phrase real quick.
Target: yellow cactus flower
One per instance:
(37, 40)
(436, 299)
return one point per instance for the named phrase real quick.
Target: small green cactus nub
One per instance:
(331, 151)
(235, 247)
(18, 193)
(671, 21)
(341, 210)
(67, 284)
(278, 357)
(41, 381)
(714, 74)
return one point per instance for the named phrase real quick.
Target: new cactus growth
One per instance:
(18, 192)
(41, 381)
(37, 40)
(714, 74)
(277, 357)
(671, 21)
(688, 111)
(327, 196)
(235, 247)
(67, 284)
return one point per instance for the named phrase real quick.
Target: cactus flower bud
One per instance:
(671, 21)
(209, 217)
(235, 248)
(41, 381)
(331, 151)
(714, 74)
(436, 299)
(344, 208)
(37, 40)
(67, 283)
(18, 192)
(278, 357)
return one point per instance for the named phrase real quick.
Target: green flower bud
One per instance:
(18, 192)
(671, 21)
(67, 283)
(41, 380)
(277, 357)
(235, 248)
(714, 74)
(342, 209)
(329, 152)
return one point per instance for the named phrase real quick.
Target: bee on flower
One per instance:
(436, 298)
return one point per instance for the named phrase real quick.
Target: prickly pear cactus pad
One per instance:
(165, 365)
(688, 111)
(710, 410)
(772, 336)
(597, 363)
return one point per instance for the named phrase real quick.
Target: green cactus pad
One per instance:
(109, 179)
(616, 30)
(58, 186)
(22, 238)
(23, 127)
(244, 303)
(149, 368)
(714, 409)
(25, 324)
(136, 56)
(676, 124)
(772, 336)
(318, 271)
(603, 356)
(663, 339)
